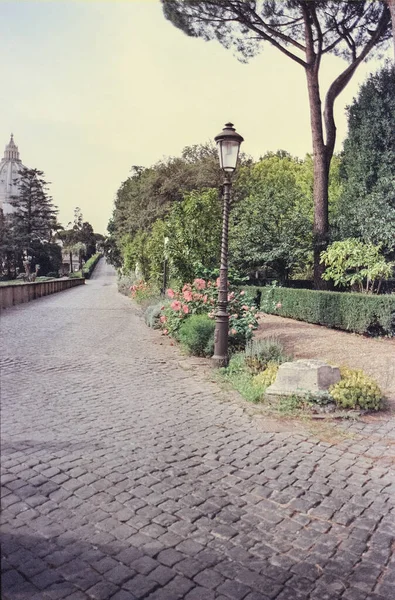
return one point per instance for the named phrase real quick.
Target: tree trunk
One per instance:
(321, 163)
(391, 6)
(71, 262)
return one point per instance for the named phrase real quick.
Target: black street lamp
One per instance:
(228, 143)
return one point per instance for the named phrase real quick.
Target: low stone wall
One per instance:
(10, 295)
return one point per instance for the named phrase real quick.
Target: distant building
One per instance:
(10, 167)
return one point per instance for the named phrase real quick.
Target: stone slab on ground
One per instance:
(303, 376)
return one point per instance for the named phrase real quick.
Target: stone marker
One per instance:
(303, 377)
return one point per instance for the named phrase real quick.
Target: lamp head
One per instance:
(228, 143)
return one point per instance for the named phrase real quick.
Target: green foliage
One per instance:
(350, 311)
(289, 405)
(298, 29)
(90, 265)
(124, 284)
(148, 194)
(367, 205)
(259, 353)
(194, 227)
(135, 254)
(272, 224)
(152, 315)
(356, 389)
(196, 334)
(200, 297)
(352, 262)
(156, 251)
(267, 376)
(251, 387)
(142, 291)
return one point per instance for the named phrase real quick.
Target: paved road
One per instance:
(126, 477)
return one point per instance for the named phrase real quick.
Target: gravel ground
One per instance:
(376, 356)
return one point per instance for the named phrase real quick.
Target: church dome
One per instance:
(10, 167)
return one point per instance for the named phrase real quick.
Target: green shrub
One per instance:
(75, 275)
(356, 389)
(268, 376)
(53, 274)
(124, 284)
(374, 315)
(196, 334)
(152, 315)
(259, 353)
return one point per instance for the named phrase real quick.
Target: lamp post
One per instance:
(228, 144)
(164, 281)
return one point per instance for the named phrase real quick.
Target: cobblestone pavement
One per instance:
(127, 477)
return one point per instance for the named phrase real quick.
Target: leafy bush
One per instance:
(360, 313)
(53, 274)
(356, 389)
(196, 334)
(124, 284)
(200, 297)
(268, 376)
(152, 315)
(352, 262)
(259, 353)
(75, 275)
(143, 291)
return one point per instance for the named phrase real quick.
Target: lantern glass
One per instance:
(228, 151)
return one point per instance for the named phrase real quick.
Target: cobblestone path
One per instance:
(126, 477)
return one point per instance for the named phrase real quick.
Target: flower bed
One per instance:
(200, 297)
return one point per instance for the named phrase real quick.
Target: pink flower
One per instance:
(199, 284)
(210, 315)
(278, 305)
(205, 299)
(170, 293)
(217, 282)
(186, 287)
(231, 296)
(250, 326)
(176, 305)
(185, 309)
(163, 319)
(165, 331)
(233, 331)
(236, 316)
(242, 293)
(187, 295)
(245, 307)
(162, 308)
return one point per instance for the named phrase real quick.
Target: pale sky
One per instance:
(91, 88)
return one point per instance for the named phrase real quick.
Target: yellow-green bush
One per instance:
(268, 376)
(356, 389)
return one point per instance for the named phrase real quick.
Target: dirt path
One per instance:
(375, 356)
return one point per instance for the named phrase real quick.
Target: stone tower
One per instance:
(10, 166)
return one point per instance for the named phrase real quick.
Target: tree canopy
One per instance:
(367, 205)
(305, 31)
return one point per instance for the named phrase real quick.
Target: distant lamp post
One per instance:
(228, 143)
(165, 259)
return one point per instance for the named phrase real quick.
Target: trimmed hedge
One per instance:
(361, 313)
(90, 264)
